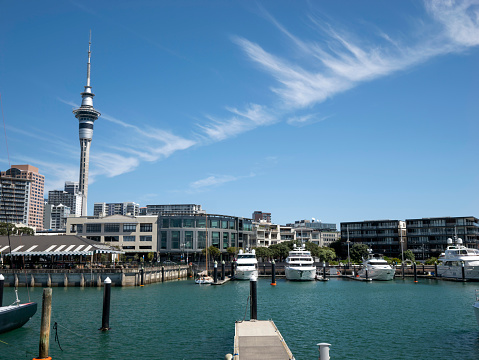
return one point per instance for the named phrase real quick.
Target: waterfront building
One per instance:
(86, 115)
(132, 234)
(427, 237)
(314, 224)
(259, 215)
(125, 208)
(174, 209)
(383, 236)
(266, 234)
(55, 217)
(183, 234)
(21, 196)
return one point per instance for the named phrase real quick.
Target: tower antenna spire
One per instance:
(88, 65)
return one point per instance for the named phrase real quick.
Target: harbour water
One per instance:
(398, 319)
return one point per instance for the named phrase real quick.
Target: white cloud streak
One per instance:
(343, 62)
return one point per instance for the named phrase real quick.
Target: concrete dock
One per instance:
(259, 340)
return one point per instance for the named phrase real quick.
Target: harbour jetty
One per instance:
(93, 277)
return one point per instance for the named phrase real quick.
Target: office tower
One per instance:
(72, 187)
(86, 116)
(22, 196)
(60, 197)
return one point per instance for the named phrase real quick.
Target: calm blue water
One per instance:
(181, 320)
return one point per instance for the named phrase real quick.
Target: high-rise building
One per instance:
(56, 217)
(21, 196)
(107, 209)
(86, 115)
(72, 187)
(174, 209)
(60, 197)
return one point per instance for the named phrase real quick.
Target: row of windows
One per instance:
(115, 227)
(197, 223)
(116, 238)
(219, 240)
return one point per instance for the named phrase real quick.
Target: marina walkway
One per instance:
(259, 340)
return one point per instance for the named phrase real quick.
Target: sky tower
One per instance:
(86, 115)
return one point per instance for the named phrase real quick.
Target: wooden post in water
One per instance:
(2, 281)
(324, 270)
(264, 269)
(415, 272)
(254, 299)
(142, 277)
(162, 273)
(223, 270)
(463, 272)
(232, 269)
(105, 319)
(435, 268)
(273, 273)
(215, 272)
(45, 324)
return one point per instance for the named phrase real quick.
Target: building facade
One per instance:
(191, 233)
(427, 237)
(72, 200)
(313, 224)
(177, 209)
(22, 196)
(383, 236)
(107, 209)
(132, 234)
(259, 215)
(55, 217)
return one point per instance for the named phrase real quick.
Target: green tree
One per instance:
(280, 251)
(358, 252)
(263, 252)
(232, 250)
(313, 248)
(326, 254)
(213, 251)
(409, 255)
(7, 228)
(431, 261)
(150, 256)
(338, 248)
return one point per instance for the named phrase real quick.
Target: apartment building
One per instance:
(107, 209)
(382, 236)
(22, 195)
(427, 237)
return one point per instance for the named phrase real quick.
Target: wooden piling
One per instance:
(45, 325)
(2, 281)
(105, 320)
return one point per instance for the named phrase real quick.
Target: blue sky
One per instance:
(334, 110)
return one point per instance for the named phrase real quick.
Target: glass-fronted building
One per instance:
(191, 233)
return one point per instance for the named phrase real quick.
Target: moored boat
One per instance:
(455, 258)
(300, 265)
(246, 265)
(376, 268)
(16, 315)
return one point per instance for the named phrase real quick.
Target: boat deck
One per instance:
(259, 340)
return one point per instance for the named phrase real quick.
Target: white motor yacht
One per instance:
(376, 268)
(246, 265)
(455, 257)
(300, 265)
(476, 306)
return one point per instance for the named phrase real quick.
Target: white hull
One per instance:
(455, 272)
(300, 273)
(476, 311)
(378, 274)
(245, 274)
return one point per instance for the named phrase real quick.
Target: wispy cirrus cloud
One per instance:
(216, 180)
(251, 117)
(306, 119)
(336, 61)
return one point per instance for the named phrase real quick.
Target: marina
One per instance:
(181, 320)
